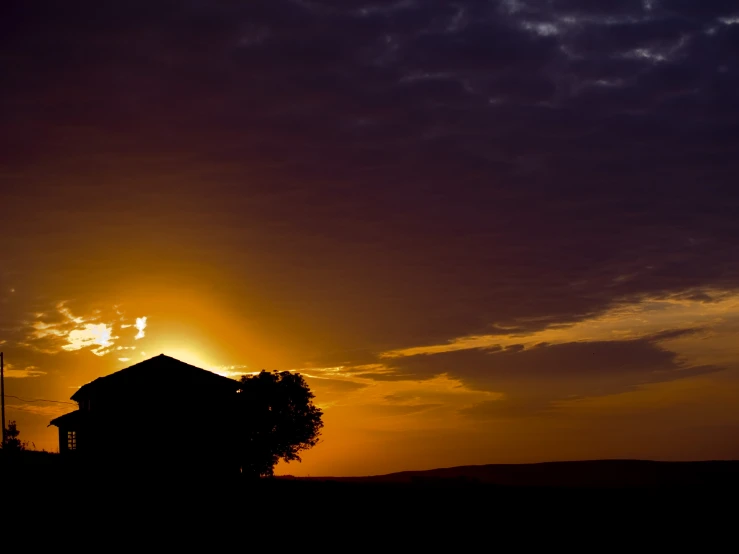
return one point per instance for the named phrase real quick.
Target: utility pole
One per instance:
(2, 391)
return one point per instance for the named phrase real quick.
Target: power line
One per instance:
(40, 400)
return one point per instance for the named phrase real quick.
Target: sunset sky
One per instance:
(485, 231)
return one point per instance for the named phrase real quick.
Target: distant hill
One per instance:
(595, 473)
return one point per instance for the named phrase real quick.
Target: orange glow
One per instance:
(376, 426)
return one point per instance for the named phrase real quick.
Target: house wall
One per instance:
(167, 426)
(63, 440)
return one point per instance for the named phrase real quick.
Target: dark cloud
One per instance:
(399, 409)
(642, 357)
(634, 8)
(395, 376)
(414, 170)
(329, 386)
(534, 378)
(702, 11)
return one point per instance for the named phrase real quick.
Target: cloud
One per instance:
(45, 410)
(645, 318)
(324, 385)
(531, 380)
(66, 312)
(230, 371)
(140, 326)
(61, 330)
(98, 335)
(533, 370)
(12, 372)
(538, 366)
(391, 410)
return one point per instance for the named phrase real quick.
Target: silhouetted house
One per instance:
(158, 412)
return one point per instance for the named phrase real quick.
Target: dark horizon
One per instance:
(485, 232)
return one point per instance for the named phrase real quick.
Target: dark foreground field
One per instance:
(584, 474)
(582, 503)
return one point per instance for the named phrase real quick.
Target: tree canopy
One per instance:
(276, 420)
(12, 443)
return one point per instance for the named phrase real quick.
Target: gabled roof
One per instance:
(156, 373)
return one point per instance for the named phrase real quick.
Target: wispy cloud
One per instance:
(92, 335)
(628, 321)
(47, 410)
(65, 311)
(231, 371)
(60, 330)
(16, 373)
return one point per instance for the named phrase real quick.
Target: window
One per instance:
(71, 440)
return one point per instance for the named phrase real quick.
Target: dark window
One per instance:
(71, 440)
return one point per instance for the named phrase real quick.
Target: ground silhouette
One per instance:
(592, 473)
(452, 512)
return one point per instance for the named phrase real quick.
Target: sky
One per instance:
(485, 231)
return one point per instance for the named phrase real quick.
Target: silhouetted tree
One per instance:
(12, 442)
(275, 419)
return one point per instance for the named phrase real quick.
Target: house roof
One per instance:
(69, 420)
(155, 373)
